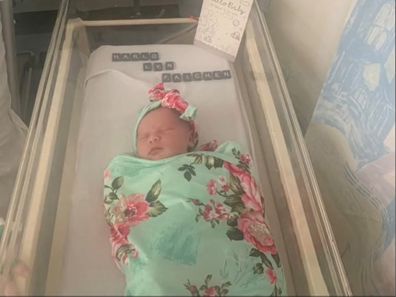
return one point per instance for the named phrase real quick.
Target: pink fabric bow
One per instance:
(170, 99)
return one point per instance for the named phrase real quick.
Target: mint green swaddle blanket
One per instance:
(191, 224)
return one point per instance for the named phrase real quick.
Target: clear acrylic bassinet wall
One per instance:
(41, 209)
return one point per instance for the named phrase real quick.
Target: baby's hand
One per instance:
(8, 285)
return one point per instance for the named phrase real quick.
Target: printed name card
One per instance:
(221, 25)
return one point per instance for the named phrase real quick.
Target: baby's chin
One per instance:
(161, 155)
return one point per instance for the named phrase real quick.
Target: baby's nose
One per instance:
(154, 138)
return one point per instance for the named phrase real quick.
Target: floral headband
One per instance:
(172, 99)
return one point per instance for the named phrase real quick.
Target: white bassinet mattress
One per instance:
(116, 88)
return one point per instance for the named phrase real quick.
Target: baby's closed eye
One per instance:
(167, 130)
(143, 137)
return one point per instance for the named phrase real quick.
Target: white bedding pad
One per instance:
(114, 93)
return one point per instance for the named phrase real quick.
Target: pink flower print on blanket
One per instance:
(212, 187)
(251, 195)
(215, 211)
(224, 185)
(256, 232)
(121, 247)
(124, 212)
(107, 175)
(236, 202)
(206, 290)
(210, 146)
(246, 159)
(221, 186)
(131, 210)
(271, 274)
(212, 212)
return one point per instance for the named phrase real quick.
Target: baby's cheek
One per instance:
(140, 149)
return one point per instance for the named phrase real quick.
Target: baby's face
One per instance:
(162, 134)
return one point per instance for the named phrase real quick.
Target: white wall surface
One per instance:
(306, 34)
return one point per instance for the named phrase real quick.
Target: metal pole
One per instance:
(9, 44)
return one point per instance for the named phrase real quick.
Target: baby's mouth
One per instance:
(155, 150)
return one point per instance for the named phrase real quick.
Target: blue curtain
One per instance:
(351, 140)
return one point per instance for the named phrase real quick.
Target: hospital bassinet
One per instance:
(42, 222)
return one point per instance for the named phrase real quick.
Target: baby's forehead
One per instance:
(161, 113)
(160, 116)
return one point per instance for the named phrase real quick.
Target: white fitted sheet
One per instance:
(114, 93)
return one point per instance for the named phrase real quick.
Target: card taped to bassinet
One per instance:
(114, 92)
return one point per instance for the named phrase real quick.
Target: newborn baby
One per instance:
(162, 134)
(186, 220)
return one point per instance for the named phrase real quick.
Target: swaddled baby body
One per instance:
(186, 221)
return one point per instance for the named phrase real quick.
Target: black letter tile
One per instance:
(187, 77)
(135, 57)
(166, 77)
(197, 76)
(144, 56)
(158, 66)
(176, 77)
(154, 56)
(227, 74)
(169, 65)
(147, 67)
(207, 75)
